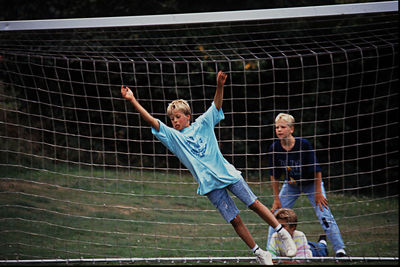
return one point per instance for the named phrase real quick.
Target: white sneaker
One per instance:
(263, 257)
(341, 253)
(287, 240)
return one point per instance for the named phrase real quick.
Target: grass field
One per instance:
(87, 213)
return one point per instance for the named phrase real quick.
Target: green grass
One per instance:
(88, 213)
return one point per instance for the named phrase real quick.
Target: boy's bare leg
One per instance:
(243, 232)
(263, 257)
(268, 217)
(264, 213)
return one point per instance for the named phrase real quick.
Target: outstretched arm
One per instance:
(128, 95)
(219, 93)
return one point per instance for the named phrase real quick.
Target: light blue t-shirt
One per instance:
(197, 148)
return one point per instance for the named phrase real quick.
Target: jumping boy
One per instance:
(293, 159)
(197, 148)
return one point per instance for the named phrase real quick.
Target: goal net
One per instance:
(82, 178)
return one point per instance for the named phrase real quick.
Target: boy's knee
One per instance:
(236, 221)
(255, 205)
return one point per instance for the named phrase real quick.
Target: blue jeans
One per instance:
(224, 203)
(288, 196)
(318, 249)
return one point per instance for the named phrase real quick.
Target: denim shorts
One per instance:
(224, 203)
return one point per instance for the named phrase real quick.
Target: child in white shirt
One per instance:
(305, 249)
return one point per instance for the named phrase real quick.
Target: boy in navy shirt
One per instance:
(293, 159)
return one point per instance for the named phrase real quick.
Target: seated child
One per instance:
(288, 219)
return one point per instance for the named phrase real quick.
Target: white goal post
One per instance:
(205, 17)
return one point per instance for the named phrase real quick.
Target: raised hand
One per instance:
(127, 93)
(219, 93)
(221, 78)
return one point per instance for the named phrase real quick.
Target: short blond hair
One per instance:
(181, 105)
(285, 117)
(287, 215)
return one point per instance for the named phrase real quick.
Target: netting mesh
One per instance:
(82, 175)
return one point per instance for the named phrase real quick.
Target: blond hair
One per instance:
(181, 105)
(287, 215)
(285, 117)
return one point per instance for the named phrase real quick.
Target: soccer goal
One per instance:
(83, 180)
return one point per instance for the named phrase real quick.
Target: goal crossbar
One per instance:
(203, 17)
